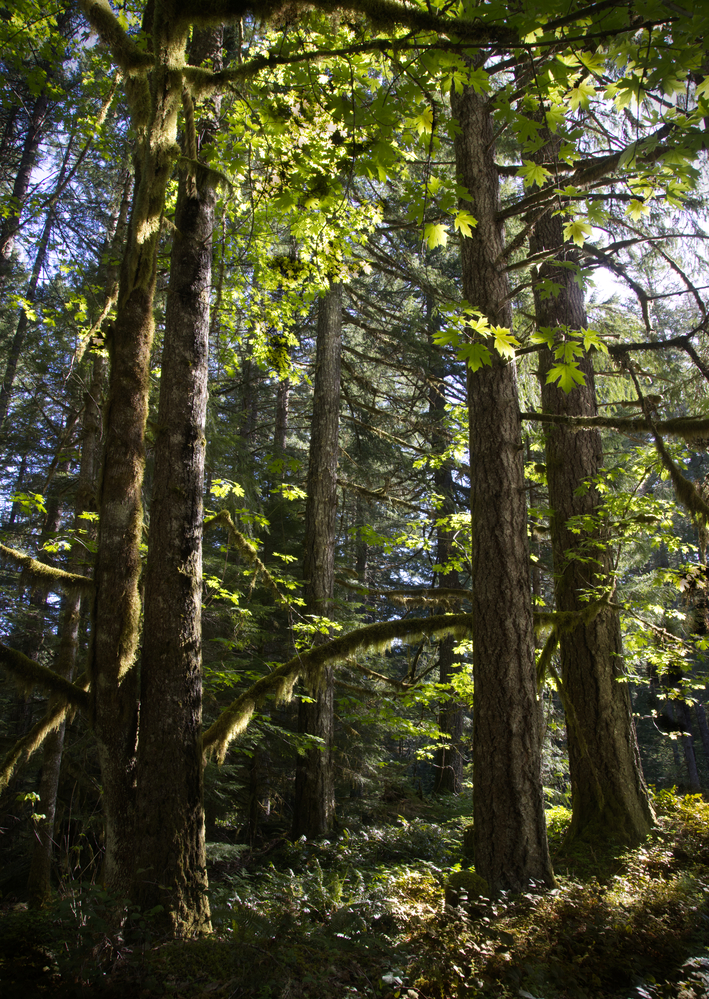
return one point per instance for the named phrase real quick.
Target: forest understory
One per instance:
(367, 913)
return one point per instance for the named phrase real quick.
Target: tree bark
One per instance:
(172, 864)
(608, 792)
(314, 780)
(510, 833)
(155, 97)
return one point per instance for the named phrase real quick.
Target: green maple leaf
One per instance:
(592, 338)
(465, 223)
(636, 210)
(475, 355)
(532, 173)
(578, 231)
(580, 96)
(567, 376)
(505, 342)
(435, 235)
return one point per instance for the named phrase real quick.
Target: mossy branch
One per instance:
(279, 684)
(48, 576)
(382, 14)
(687, 427)
(563, 623)
(123, 49)
(245, 548)
(29, 674)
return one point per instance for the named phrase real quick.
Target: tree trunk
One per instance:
(608, 792)
(39, 883)
(155, 100)
(510, 833)
(11, 222)
(448, 764)
(172, 863)
(18, 341)
(314, 779)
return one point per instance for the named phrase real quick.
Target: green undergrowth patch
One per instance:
(638, 927)
(363, 914)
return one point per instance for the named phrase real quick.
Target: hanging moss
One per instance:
(30, 743)
(425, 596)
(28, 674)
(309, 665)
(47, 576)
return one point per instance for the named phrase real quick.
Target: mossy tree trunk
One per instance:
(171, 868)
(154, 90)
(608, 792)
(510, 833)
(314, 780)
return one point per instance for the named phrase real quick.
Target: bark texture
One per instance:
(608, 792)
(171, 869)
(314, 780)
(155, 98)
(510, 834)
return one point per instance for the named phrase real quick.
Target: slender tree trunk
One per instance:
(172, 861)
(11, 222)
(39, 883)
(510, 833)
(608, 792)
(448, 763)
(314, 779)
(18, 340)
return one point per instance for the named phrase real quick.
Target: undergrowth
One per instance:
(363, 915)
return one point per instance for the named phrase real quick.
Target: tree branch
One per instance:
(47, 575)
(123, 49)
(29, 674)
(279, 684)
(687, 427)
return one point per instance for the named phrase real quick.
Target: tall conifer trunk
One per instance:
(170, 815)
(314, 780)
(608, 792)
(510, 834)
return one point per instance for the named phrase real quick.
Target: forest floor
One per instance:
(364, 915)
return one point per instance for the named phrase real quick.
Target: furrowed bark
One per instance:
(608, 792)
(510, 834)
(172, 865)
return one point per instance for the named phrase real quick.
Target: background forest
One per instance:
(354, 498)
